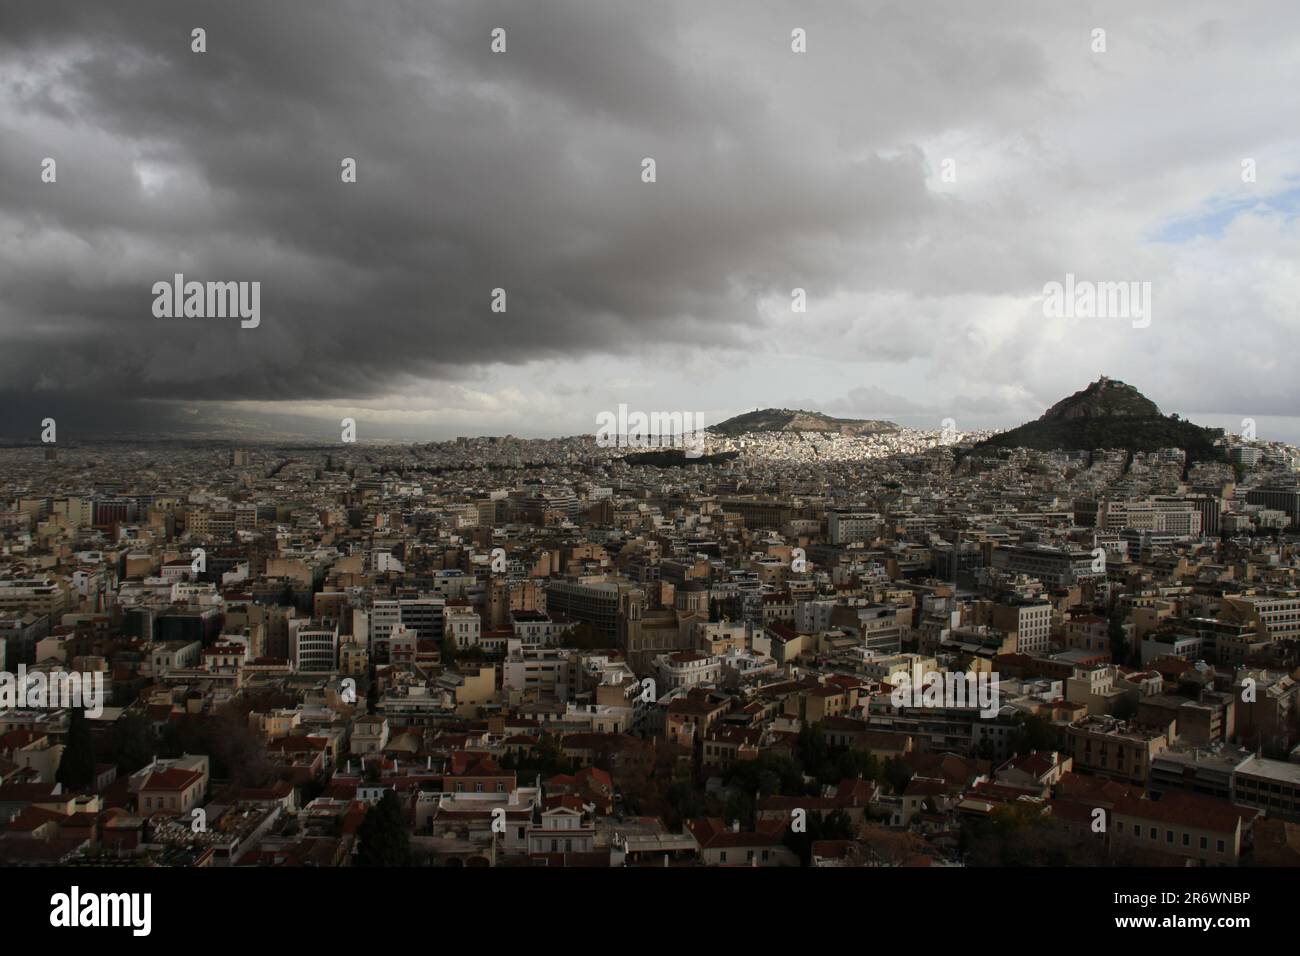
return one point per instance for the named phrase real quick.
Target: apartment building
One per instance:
(37, 595)
(879, 627)
(1195, 829)
(562, 830)
(313, 645)
(1113, 748)
(848, 527)
(1278, 497)
(1207, 772)
(1275, 615)
(539, 671)
(593, 600)
(687, 669)
(174, 790)
(1056, 568)
(462, 625)
(1269, 785)
(1162, 515)
(423, 615)
(1031, 620)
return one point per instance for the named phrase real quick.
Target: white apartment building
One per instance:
(1174, 516)
(174, 655)
(39, 595)
(536, 627)
(686, 669)
(1277, 615)
(424, 615)
(547, 671)
(462, 625)
(313, 645)
(846, 527)
(562, 831)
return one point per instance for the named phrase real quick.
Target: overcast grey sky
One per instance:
(820, 170)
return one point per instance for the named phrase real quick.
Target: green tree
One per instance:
(382, 838)
(1024, 836)
(135, 743)
(813, 754)
(684, 803)
(547, 758)
(835, 825)
(740, 806)
(850, 763)
(897, 774)
(77, 765)
(170, 741)
(448, 650)
(1119, 649)
(767, 775)
(1036, 733)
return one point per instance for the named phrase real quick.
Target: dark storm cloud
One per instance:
(522, 171)
(476, 171)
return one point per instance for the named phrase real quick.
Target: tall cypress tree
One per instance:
(382, 837)
(77, 765)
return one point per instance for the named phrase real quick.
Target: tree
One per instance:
(850, 763)
(684, 802)
(813, 754)
(382, 838)
(835, 825)
(546, 758)
(448, 651)
(898, 774)
(767, 775)
(135, 743)
(372, 697)
(740, 806)
(1036, 733)
(170, 742)
(1024, 836)
(1119, 649)
(237, 750)
(77, 765)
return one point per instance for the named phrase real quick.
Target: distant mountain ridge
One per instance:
(799, 420)
(1109, 414)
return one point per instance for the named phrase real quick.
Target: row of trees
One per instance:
(237, 752)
